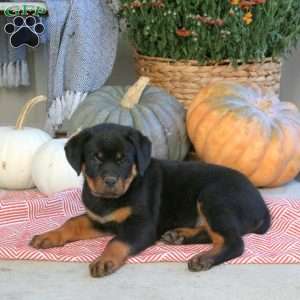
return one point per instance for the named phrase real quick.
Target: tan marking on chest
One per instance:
(118, 216)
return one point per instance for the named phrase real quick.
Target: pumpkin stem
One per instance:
(134, 93)
(27, 108)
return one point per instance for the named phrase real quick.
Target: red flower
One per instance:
(136, 4)
(157, 4)
(210, 21)
(246, 4)
(183, 32)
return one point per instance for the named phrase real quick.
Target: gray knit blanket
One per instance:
(83, 40)
(83, 37)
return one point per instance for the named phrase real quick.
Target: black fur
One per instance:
(164, 194)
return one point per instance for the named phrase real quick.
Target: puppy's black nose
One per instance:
(110, 181)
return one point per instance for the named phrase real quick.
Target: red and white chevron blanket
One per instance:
(24, 214)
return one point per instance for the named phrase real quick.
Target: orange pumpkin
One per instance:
(247, 129)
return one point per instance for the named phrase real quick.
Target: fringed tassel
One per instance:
(14, 74)
(63, 108)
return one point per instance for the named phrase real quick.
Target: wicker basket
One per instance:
(183, 79)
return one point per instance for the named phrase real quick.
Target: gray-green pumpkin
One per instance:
(151, 110)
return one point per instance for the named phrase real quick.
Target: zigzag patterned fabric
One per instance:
(24, 214)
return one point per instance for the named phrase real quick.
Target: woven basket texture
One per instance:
(184, 79)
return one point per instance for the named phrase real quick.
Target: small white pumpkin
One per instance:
(51, 172)
(18, 146)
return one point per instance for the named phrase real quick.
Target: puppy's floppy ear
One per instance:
(74, 149)
(143, 147)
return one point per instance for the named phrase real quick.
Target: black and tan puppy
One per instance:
(141, 200)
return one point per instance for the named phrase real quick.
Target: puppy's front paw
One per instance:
(103, 267)
(47, 240)
(200, 262)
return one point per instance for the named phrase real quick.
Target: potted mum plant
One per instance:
(184, 44)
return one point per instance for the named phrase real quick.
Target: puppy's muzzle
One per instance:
(110, 181)
(110, 186)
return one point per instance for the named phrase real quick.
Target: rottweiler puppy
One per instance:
(140, 200)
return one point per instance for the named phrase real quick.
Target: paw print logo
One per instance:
(24, 31)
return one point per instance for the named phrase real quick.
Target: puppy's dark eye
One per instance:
(98, 157)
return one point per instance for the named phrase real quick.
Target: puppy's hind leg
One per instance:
(181, 236)
(265, 224)
(222, 251)
(226, 239)
(201, 238)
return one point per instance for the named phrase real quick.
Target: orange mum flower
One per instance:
(248, 18)
(234, 2)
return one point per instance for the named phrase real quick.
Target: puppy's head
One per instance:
(110, 157)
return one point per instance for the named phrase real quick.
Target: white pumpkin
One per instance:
(51, 172)
(18, 146)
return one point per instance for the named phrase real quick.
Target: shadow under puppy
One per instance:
(140, 200)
